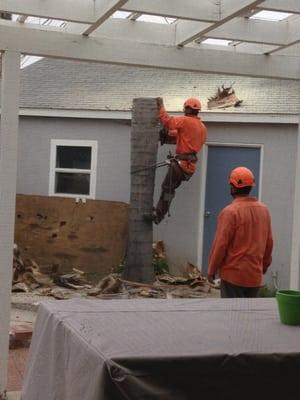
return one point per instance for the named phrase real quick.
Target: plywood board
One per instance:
(57, 231)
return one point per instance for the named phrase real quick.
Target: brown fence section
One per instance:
(60, 233)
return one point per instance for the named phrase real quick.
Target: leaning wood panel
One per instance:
(144, 144)
(57, 231)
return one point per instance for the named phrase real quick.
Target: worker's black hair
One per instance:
(191, 111)
(243, 190)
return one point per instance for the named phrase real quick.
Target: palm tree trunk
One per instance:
(144, 145)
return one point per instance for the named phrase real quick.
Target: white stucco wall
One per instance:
(181, 234)
(181, 231)
(113, 165)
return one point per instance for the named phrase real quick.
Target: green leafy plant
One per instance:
(119, 269)
(160, 266)
(266, 292)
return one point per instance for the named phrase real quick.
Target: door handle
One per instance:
(207, 214)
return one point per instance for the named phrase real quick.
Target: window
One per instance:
(73, 168)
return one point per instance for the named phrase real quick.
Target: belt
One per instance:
(191, 157)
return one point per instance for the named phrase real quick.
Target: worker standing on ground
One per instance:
(242, 249)
(189, 133)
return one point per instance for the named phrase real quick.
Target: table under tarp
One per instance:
(162, 349)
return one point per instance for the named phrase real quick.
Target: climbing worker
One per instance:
(189, 135)
(242, 249)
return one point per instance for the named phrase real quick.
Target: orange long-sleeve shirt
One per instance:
(190, 133)
(242, 247)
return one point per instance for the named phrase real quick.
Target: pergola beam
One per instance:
(283, 47)
(292, 50)
(107, 8)
(46, 43)
(137, 31)
(134, 16)
(256, 31)
(235, 8)
(248, 48)
(288, 6)
(239, 29)
(22, 18)
(252, 48)
(84, 11)
(204, 10)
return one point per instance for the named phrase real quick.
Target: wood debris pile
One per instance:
(158, 249)
(166, 286)
(28, 278)
(225, 97)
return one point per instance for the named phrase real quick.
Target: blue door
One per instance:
(220, 161)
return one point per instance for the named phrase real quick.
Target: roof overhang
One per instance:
(209, 116)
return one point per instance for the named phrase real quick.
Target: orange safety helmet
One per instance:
(241, 177)
(193, 103)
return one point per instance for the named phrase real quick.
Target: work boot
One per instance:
(151, 217)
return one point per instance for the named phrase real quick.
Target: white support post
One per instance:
(8, 176)
(295, 251)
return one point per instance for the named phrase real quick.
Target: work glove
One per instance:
(163, 134)
(160, 102)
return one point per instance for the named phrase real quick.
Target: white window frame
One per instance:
(93, 144)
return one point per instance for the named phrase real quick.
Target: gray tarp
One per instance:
(162, 349)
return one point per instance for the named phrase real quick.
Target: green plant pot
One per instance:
(289, 306)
